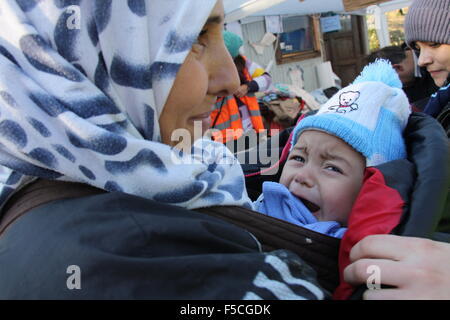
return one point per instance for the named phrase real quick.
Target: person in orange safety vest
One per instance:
(233, 115)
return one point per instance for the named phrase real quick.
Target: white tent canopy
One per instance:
(239, 9)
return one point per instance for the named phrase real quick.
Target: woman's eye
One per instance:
(434, 44)
(202, 37)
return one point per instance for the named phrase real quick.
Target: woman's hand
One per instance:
(241, 91)
(417, 268)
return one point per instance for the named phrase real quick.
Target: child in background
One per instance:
(360, 126)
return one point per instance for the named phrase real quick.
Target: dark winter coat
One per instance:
(215, 253)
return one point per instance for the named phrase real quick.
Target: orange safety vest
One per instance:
(226, 118)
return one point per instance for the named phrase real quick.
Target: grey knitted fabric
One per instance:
(428, 21)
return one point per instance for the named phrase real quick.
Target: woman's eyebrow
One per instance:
(215, 19)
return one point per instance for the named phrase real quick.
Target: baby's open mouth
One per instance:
(310, 206)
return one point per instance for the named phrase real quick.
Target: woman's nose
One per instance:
(224, 79)
(425, 58)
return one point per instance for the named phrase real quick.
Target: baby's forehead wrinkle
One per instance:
(325, 154)
(300, 148)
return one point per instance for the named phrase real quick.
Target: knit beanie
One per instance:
(369, 115)
(233, 42)
(428, 21)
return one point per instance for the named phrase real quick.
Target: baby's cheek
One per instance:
(340, 206)
(284, 177)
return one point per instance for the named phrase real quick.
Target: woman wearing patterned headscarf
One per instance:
(94, 96)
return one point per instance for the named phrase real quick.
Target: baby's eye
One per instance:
(298, 158)
(334, 169)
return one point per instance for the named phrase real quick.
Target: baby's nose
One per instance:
(305, 177)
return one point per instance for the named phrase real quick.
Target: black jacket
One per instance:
(118, 246)
(444, 118)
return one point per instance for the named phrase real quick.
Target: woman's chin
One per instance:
(439, 80)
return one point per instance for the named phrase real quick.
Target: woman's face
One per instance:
(207, 73)
(436, 58)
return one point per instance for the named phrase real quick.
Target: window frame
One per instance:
(302, 55)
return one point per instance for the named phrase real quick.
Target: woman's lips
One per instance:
(435, 72)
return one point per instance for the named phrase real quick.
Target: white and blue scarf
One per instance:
(82, 86)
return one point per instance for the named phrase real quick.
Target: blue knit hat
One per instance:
(370, 115)
(233, 43)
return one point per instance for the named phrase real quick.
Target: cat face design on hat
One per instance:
(347, 101)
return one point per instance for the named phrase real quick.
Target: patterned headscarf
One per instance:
(82, 85)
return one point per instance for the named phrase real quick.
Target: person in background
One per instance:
(427, 30)
(417, 82)
(239, 113)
